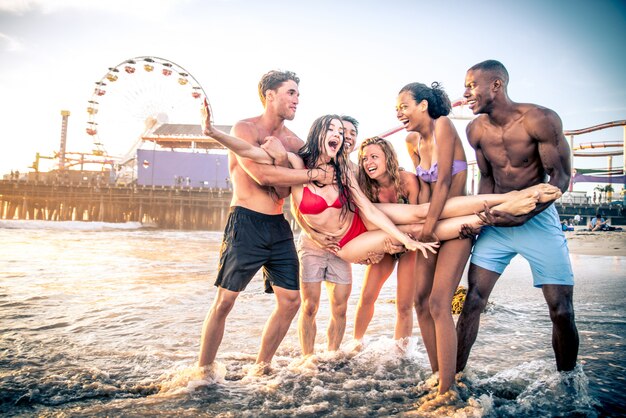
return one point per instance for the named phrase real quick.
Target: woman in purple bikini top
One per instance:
(433, 142)
(431, 175)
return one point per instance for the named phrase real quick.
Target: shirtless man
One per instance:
(518, 145)
(257, 234)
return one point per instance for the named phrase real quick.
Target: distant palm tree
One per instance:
(608, 189)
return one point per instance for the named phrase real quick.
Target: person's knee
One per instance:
(439, 307)
(339, 309)
(368, 299)
(562, 314)
(474, 301)
(421, 304)
(222, 307)
(309, 307)
(293, 304)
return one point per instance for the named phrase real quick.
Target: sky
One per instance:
(352, 58)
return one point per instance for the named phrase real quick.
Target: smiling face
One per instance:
(478, 91)
(410, 113)
(333, 140)
(373, 161)
(349, 136)
(285, 99)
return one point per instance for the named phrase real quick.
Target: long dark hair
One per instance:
(438, 101)
(312, 150)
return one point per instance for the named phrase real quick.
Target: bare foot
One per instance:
(355, 346)
(260, 369)
(193, 377)
(402, 345)
(450, 399)
(308, 362)
(547, 192)
(520, 203)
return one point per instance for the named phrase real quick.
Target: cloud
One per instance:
(145, 8)
(19, 7)
(9, 44)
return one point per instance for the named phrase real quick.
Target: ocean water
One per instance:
(104, 320)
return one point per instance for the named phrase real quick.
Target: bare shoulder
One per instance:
(443, 122)
(409, 185)
(444, 128)
(538, 114)
(408, 179)
(475, 130)
(412, 138)
(541, 122)
(247, 130)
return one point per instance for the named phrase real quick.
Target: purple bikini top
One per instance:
(431, 175)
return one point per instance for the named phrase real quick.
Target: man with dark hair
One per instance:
(350, 132)
(272, 80)
(257, 233)
(518, 145)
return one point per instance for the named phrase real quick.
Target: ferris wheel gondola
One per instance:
(136, 96)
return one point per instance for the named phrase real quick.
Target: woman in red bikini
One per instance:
(360, 226)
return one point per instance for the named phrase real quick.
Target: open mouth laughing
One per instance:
(334, 145)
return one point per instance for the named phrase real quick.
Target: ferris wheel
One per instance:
(136, 96)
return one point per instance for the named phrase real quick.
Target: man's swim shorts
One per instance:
(253, 240)
(317, 264)
(540, 241)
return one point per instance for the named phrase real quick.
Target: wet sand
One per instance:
(607, 243)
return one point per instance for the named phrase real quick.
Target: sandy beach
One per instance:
(608, 243)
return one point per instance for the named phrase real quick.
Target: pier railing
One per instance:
(575, 151)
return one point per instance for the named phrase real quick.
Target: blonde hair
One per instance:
(370, 187)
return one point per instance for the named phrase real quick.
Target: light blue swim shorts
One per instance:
(540, 241)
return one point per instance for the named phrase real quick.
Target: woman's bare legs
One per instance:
(424, 275)
(406, 217)
(404, 295)
(453, 257)
(515, 202)
(375, 277)
(374, 241)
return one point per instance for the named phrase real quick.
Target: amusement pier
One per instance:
(171, 176)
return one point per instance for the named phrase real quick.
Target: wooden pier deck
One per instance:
(163, 207)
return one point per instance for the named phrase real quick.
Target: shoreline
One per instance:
(604, 243)
(581, 241)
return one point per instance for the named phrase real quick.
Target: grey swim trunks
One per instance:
(317, 264)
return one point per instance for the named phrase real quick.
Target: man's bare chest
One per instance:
(509, 144)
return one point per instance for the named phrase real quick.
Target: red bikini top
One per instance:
(313, 204)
